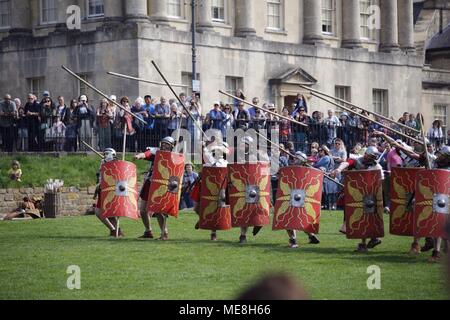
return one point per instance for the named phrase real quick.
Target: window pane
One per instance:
(48, 11)
(327, 16)
(440, 113)
(5, 13)
(365, 15)
(218, 10)
(96, 7)
(274, 14)
(380, 102)
(174, 8)
(232, 84)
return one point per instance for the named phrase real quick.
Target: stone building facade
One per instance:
(265, 47)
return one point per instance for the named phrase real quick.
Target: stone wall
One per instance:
(74, 201)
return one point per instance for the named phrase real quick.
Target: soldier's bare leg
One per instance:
(144, 216)
(197, 211)
(146, 221)
(313, 239)
(243, 237)
(415, 246)
(292, 238)
(436, 255)
(162, 221)
(362, 247)
(105, 221)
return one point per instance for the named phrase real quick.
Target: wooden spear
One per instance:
(101, 93)
(143, 80)
(367, 118)
(296, 157)
(354, 105)
(264, 109)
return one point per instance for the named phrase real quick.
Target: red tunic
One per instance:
(149, 156)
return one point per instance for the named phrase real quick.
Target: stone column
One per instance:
(158, 12)
(136, 10)
(20, 15)
(406, 25)
(351, 32)
(389, 27)
(204, 16)
(244, 18)
(312, 16)
(113, 10)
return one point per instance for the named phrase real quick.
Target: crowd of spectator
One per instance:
(49, 124)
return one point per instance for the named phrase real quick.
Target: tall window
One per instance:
(174, 8)
(275, 14)
(344, 93)
(380, 102)
(218, 10)
(186, 79)
(35, 86)
(5, 13)
(48, 11)
(367, 31)
(232, 84)
(95, 8)
(440, 113)
(328, 12)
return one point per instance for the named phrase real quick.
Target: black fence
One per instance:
(68, 138)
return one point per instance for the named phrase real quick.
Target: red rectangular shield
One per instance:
(403, 184)
(249, 192)
(215, 214)
(431, 208)
(298, 201)
(165, 186)
(118, 190)
(363, 208)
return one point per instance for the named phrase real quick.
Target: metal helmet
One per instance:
(221, 148)
(169, 140)
(444, 152)
(110, 154)
(301, 156)
(372, 152)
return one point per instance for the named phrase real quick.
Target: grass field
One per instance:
(75, 170)
(35, 256)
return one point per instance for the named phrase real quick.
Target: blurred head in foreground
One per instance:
(277, 286)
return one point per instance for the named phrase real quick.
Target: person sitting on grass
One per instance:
(25, 208)
(15, 173)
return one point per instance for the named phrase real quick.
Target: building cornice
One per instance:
(153, 32)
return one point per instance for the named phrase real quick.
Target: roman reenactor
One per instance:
(209, 191)
(298, 200)
(249, 188)
(403, 189)
(117, 196)
(363, 211)
(432, 205)
(108, 155)
(161, 191)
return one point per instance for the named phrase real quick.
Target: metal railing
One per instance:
(38, 138)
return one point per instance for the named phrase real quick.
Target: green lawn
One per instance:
(35, 256)
(75, 170)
